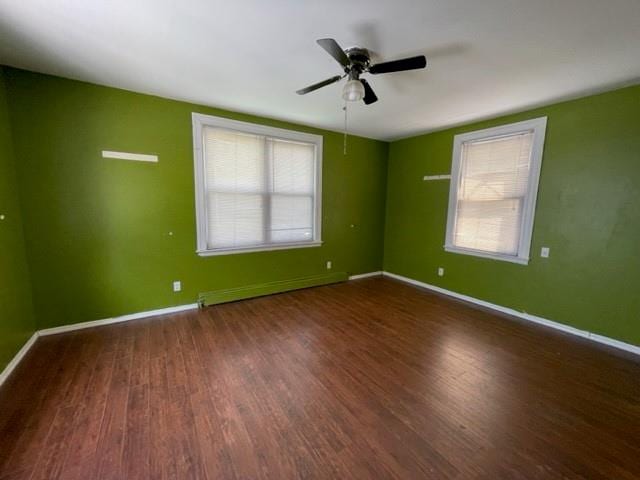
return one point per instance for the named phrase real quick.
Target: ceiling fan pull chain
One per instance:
(344, 146)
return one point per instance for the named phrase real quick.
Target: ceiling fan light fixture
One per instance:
(353, 91)
(354, 62)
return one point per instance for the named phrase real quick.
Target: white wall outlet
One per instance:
(544, 252)
(440, 272)
(329, 265)
(177, 286)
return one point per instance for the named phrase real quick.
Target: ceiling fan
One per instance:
(355, 61)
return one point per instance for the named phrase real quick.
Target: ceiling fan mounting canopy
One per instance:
(356, 61)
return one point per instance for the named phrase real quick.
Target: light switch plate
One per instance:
(544, 252)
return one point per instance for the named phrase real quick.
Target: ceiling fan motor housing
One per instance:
(360, 61)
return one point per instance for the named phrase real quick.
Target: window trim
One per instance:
(538, 126)
(199, 121)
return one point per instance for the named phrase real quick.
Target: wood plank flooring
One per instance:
(370, 379)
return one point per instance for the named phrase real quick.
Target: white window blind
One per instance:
(258, 191)
(493, 194)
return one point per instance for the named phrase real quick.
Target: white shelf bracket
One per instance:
(429, 178)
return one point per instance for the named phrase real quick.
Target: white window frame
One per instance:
(199, 121)
(538, 127)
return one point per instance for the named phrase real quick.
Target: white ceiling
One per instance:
(486, 57)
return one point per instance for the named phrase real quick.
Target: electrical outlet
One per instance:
(544, 252)
(329, 265)
(177, 286)
(440, 272)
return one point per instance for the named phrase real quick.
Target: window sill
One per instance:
(492, 256)
(261, 248)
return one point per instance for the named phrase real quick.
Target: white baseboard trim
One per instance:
(11, 366)
(181, 308)
(79, 326)
(108, 321)
(635, 349)
(365, 275)
(123, 318)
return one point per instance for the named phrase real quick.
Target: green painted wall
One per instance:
(16, 312)
(97, 230)
(588, 213)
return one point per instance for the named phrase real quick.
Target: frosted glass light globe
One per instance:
(353, 91)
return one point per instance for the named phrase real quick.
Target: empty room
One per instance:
(294, 239)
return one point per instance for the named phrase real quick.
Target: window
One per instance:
(257, 187)
(494, 183)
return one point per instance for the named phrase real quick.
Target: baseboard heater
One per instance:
(260, 289)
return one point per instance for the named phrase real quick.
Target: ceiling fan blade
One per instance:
(411, 63)
(335, 50)
(369, 95)
(318, 85)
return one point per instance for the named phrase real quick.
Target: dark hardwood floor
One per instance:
(366, 379)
